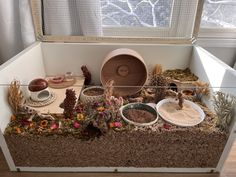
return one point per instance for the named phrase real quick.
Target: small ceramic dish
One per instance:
(189, 116)
(139, 106)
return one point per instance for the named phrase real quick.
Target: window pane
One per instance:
(139, 13)
(219, 13)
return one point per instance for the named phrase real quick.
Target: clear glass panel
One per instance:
(139, 13)
(219, 13)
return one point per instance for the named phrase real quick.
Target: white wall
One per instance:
(226, 54)
(62, 57)
(24, 67)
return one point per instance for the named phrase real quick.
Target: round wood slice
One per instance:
(61, 85)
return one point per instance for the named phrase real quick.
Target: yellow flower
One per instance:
(80, 116)
(13, 117)
(101, 109)
(17, 130)
(43, 123)
(31, 124)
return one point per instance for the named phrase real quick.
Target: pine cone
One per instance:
(69, 103)
(161, 84)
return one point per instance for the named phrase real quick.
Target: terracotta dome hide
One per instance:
(127, 68)
(37, 85)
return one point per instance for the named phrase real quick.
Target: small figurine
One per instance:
(87, 75)
(181, 100)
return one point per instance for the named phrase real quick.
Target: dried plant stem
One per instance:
(224, 105)
(15, 96)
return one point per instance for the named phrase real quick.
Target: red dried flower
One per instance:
(166, 126)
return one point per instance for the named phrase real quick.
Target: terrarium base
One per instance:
(181, 148)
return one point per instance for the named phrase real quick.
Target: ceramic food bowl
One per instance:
(140, 107)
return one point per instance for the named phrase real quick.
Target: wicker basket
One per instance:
(88, 99)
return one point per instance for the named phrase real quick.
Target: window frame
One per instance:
(217, 36)
(35, 9)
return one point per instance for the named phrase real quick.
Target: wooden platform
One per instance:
(54, 108)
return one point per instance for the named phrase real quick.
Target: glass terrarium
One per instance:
(146, 102)
(127, 108)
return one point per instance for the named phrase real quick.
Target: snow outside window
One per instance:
(147, 18)
(219, 19)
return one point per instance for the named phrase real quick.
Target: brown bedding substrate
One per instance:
(178, 148)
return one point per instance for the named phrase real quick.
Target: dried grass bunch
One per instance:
(202, 88)
(15, 96)
(109, 90)
(224, 105)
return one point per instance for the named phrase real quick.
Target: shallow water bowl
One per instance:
(189, 116)
(89, 95)
(132, 113)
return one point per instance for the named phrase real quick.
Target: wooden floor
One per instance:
(229, 170)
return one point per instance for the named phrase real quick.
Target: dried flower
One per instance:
(18, 130)
(53, 126)
(118, 124)
(166, 126)
(24, 122)
(100, 109)
(40, 129)
(80, 117)
(13, 118)
(76, 125)
(43, 123)
(31, 125)
(115, 124)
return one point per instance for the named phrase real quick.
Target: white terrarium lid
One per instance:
(37, 19)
